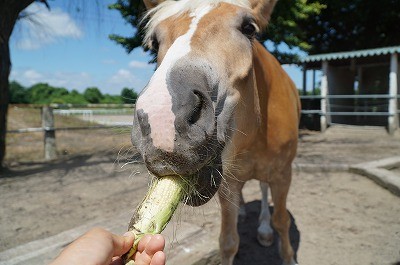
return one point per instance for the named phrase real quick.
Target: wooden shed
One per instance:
(357, 87)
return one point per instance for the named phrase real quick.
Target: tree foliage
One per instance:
(128, 95)
(284, 27)
(353, 25)
(18, 93)
(131, 11)
(93, 95)
(43, 93)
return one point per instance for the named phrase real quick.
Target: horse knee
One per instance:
(281, 222)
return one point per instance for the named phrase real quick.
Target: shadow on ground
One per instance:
(67, 163)
(250, 252)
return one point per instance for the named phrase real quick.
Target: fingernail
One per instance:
(129, 234)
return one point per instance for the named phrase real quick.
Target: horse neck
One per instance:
(276, 92)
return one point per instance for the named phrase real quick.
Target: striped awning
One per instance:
(351, 54)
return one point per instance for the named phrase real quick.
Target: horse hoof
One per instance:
(265, 240)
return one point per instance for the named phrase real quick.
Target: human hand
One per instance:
(99, 246)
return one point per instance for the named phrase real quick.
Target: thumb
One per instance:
(122, 244)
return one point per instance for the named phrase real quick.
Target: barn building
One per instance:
(356, 87)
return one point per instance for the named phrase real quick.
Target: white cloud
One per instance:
(69, 80)
(44, 27)
(125, 78)
(139, 64)
(32, 75)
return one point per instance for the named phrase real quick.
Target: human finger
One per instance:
(158, 258)
(122, 244)
(143, 242)
(156, 243)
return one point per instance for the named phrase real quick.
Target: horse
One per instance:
(219, 108)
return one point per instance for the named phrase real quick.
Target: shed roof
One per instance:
(351, 54)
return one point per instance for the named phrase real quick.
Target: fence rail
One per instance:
(44, 129)
(370, 96)
(48, 128)
(371, 109)
(350, 113)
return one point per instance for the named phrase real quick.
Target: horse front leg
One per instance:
(280, 217)
(229, 196)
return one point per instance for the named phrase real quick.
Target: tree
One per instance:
(40, 93)
(131, 11)
(74, 97)
(353, 25)
(283, 28)
(111, 99)
(128, 95)
(9, 12)
(93, 95)
(18, 93)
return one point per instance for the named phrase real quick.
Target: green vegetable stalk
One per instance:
(156, 210)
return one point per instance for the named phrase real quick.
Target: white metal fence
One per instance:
(372, 105)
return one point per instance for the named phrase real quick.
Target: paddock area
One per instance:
(339, 217)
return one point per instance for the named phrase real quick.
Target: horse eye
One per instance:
(249, 30)
(154, 44)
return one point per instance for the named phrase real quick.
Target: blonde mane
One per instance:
(171, 8)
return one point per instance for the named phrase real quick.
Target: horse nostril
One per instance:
(197, 107)
(143, 122)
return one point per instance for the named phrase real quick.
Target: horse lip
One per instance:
(205, 183)
(162, 170)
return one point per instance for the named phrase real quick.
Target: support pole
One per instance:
(49, 133)
(358, 91)
(304, 80)
(324, 93)
(393, 120)
(313, 82)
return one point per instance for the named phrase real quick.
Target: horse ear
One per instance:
(151, 3)
(263, 9)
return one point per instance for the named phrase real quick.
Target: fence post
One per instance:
(324, 93)
(49, 133)
(393, 120)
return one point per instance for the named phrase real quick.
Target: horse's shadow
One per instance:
(250, 251)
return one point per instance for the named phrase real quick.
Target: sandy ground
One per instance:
(338, 217)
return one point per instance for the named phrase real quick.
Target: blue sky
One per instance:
(71, 49)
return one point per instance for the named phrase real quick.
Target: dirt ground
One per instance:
(338, 217)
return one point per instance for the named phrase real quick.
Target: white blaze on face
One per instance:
(156, 100)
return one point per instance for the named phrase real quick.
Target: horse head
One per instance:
(203, 87)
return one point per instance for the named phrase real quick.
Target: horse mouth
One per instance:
(203, 175)
(204, 183)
